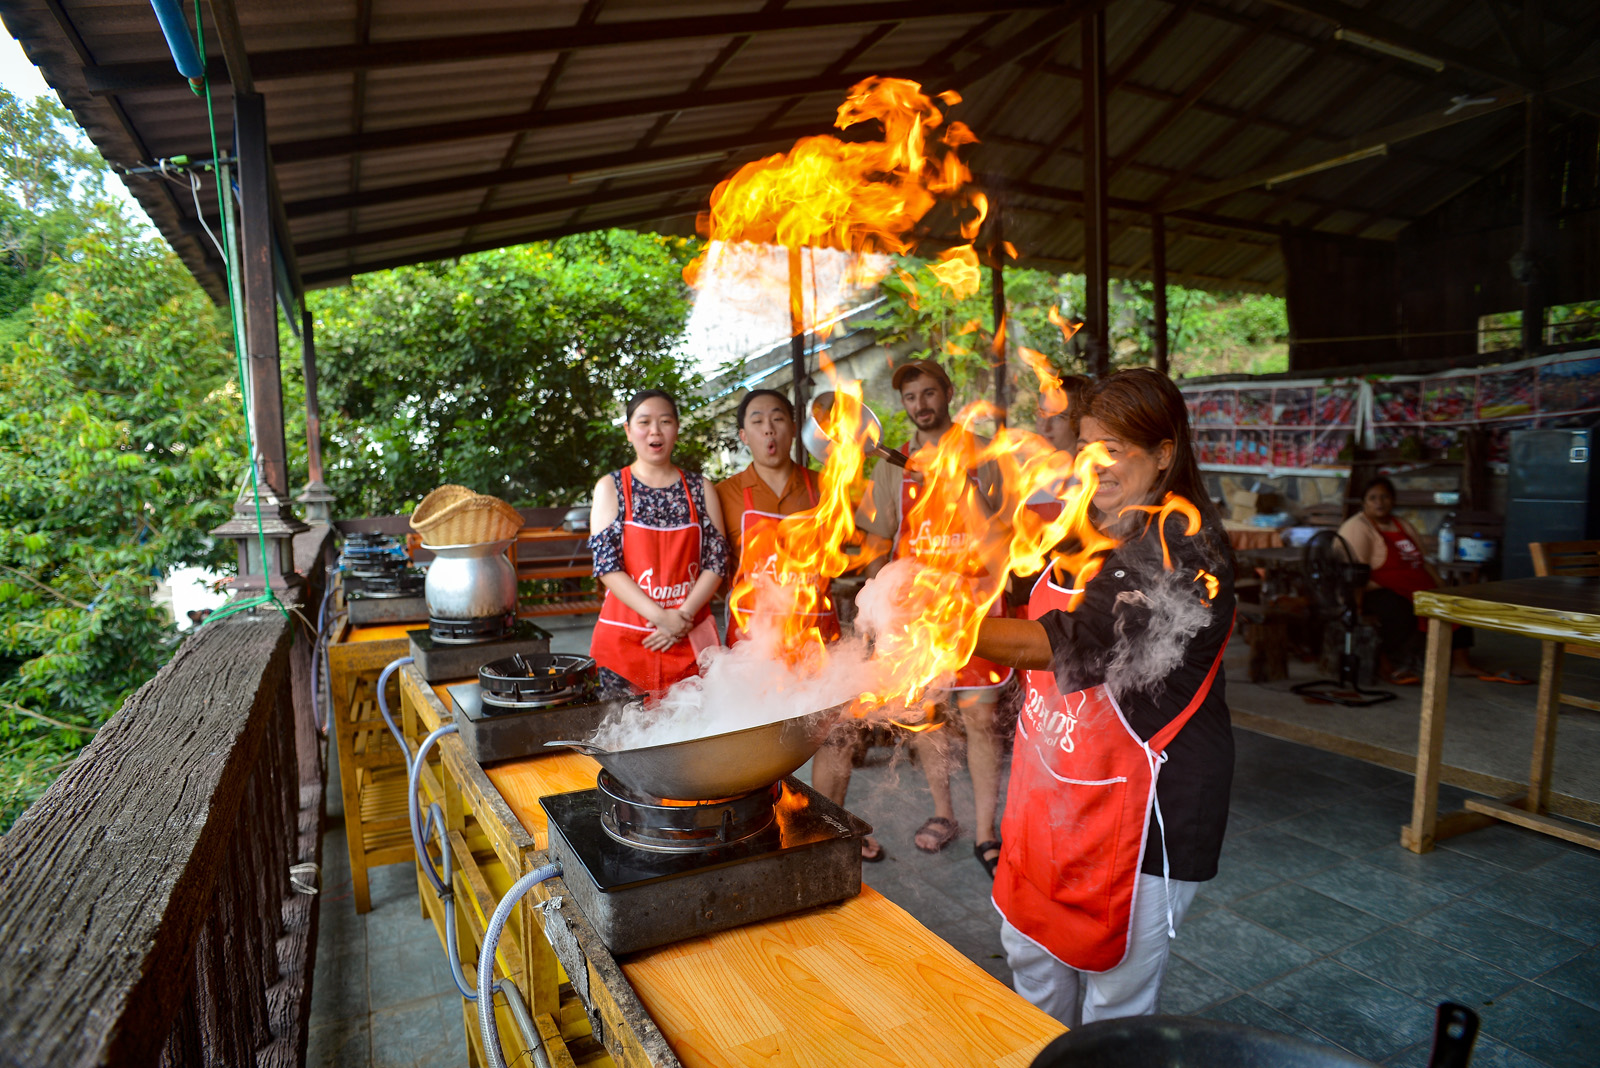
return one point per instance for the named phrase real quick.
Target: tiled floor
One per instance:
(381, 995)
(1319, 924)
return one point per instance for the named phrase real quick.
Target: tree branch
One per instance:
(42, 718)
(57, 594)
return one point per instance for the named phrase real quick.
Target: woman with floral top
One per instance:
(660, 551)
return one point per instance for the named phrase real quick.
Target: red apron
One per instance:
(665, 562)
(1077, 815)
(977, 673)
(758, 554)
(1403, 569)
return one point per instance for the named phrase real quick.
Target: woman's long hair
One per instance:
(1144, 407)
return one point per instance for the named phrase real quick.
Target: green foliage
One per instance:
(53, 183)
(505, 371)
(121, 444)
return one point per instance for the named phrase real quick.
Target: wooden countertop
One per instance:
(857, 983)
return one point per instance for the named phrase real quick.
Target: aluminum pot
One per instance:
(471, 581)
(719, 765)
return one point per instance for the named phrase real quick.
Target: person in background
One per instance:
(1123, 755)
(1061, 428)
(660, 551)
(1387, 544)
(925, 392)
(755, 501)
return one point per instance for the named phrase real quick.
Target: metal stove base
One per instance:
(441, 662)
(382, 611)
(515, 735)
(636, 899)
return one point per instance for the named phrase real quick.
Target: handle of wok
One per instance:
(894, 456)
(582, 747)
(1453, 1036)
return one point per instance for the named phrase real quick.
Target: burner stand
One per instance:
(446, 662)
(691, 827)
(637, 899)
(517, 732)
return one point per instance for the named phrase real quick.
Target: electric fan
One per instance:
(1335, 580)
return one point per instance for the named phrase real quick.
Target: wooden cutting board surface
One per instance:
(523, 782)
(858, 983)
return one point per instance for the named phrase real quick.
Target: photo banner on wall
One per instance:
(1312, 426)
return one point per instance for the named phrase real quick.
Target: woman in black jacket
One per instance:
(1124, 752)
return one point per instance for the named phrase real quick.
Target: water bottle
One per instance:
(1447, 539)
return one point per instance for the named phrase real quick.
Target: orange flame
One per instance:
(861, 196)
(1052, 396)
(1067, 329)
(867, 196)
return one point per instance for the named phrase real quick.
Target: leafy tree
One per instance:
(505, 370)
(53, 181)
(121, 444)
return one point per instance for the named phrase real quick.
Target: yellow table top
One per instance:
(857, 983)
(384, 633)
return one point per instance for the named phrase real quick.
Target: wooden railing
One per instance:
(148, 917)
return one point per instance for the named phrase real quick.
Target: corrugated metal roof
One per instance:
(517, 120)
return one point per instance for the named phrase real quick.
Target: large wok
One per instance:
(719, 765)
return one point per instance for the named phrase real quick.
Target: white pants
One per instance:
(1129, 989)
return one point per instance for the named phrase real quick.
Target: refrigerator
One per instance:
(1552, 493)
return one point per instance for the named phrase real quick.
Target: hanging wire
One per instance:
(269, 596)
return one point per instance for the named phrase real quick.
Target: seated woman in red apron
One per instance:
(659, 550)
(1387, 544)
(1123, 758)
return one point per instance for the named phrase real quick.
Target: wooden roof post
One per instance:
(997, 273)
(1530, 262)
(261, 515)
(1096, 221)
(1158, 294)
(316, 497)
(797, 344)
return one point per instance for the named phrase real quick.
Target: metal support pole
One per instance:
(316, 496)
(260, 295)
(1158, 295)
(1096, 218)
(997, 274)
(797, 344)
(1533, 253)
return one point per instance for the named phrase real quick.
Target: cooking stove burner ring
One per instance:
(470, 631)
(571, 695)
(683, 827)
(527, 678)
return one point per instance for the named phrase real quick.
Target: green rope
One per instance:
(269, 597)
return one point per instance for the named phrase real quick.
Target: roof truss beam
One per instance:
(333, 59)
(609, 161)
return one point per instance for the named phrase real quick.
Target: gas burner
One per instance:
(398, 582)
(637, 898)
(368, 555)
(683, 826)
(470, 631)
(536, 679)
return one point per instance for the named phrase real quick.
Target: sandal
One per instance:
(871, 850)
(989, 865)
(941, 830)
(1510, 678)
(1404, 678)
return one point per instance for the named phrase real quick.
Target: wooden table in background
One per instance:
(1556, 610)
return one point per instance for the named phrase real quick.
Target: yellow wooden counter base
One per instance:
(858, 983)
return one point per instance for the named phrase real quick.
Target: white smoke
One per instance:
(751, 685)
(1176, 614)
